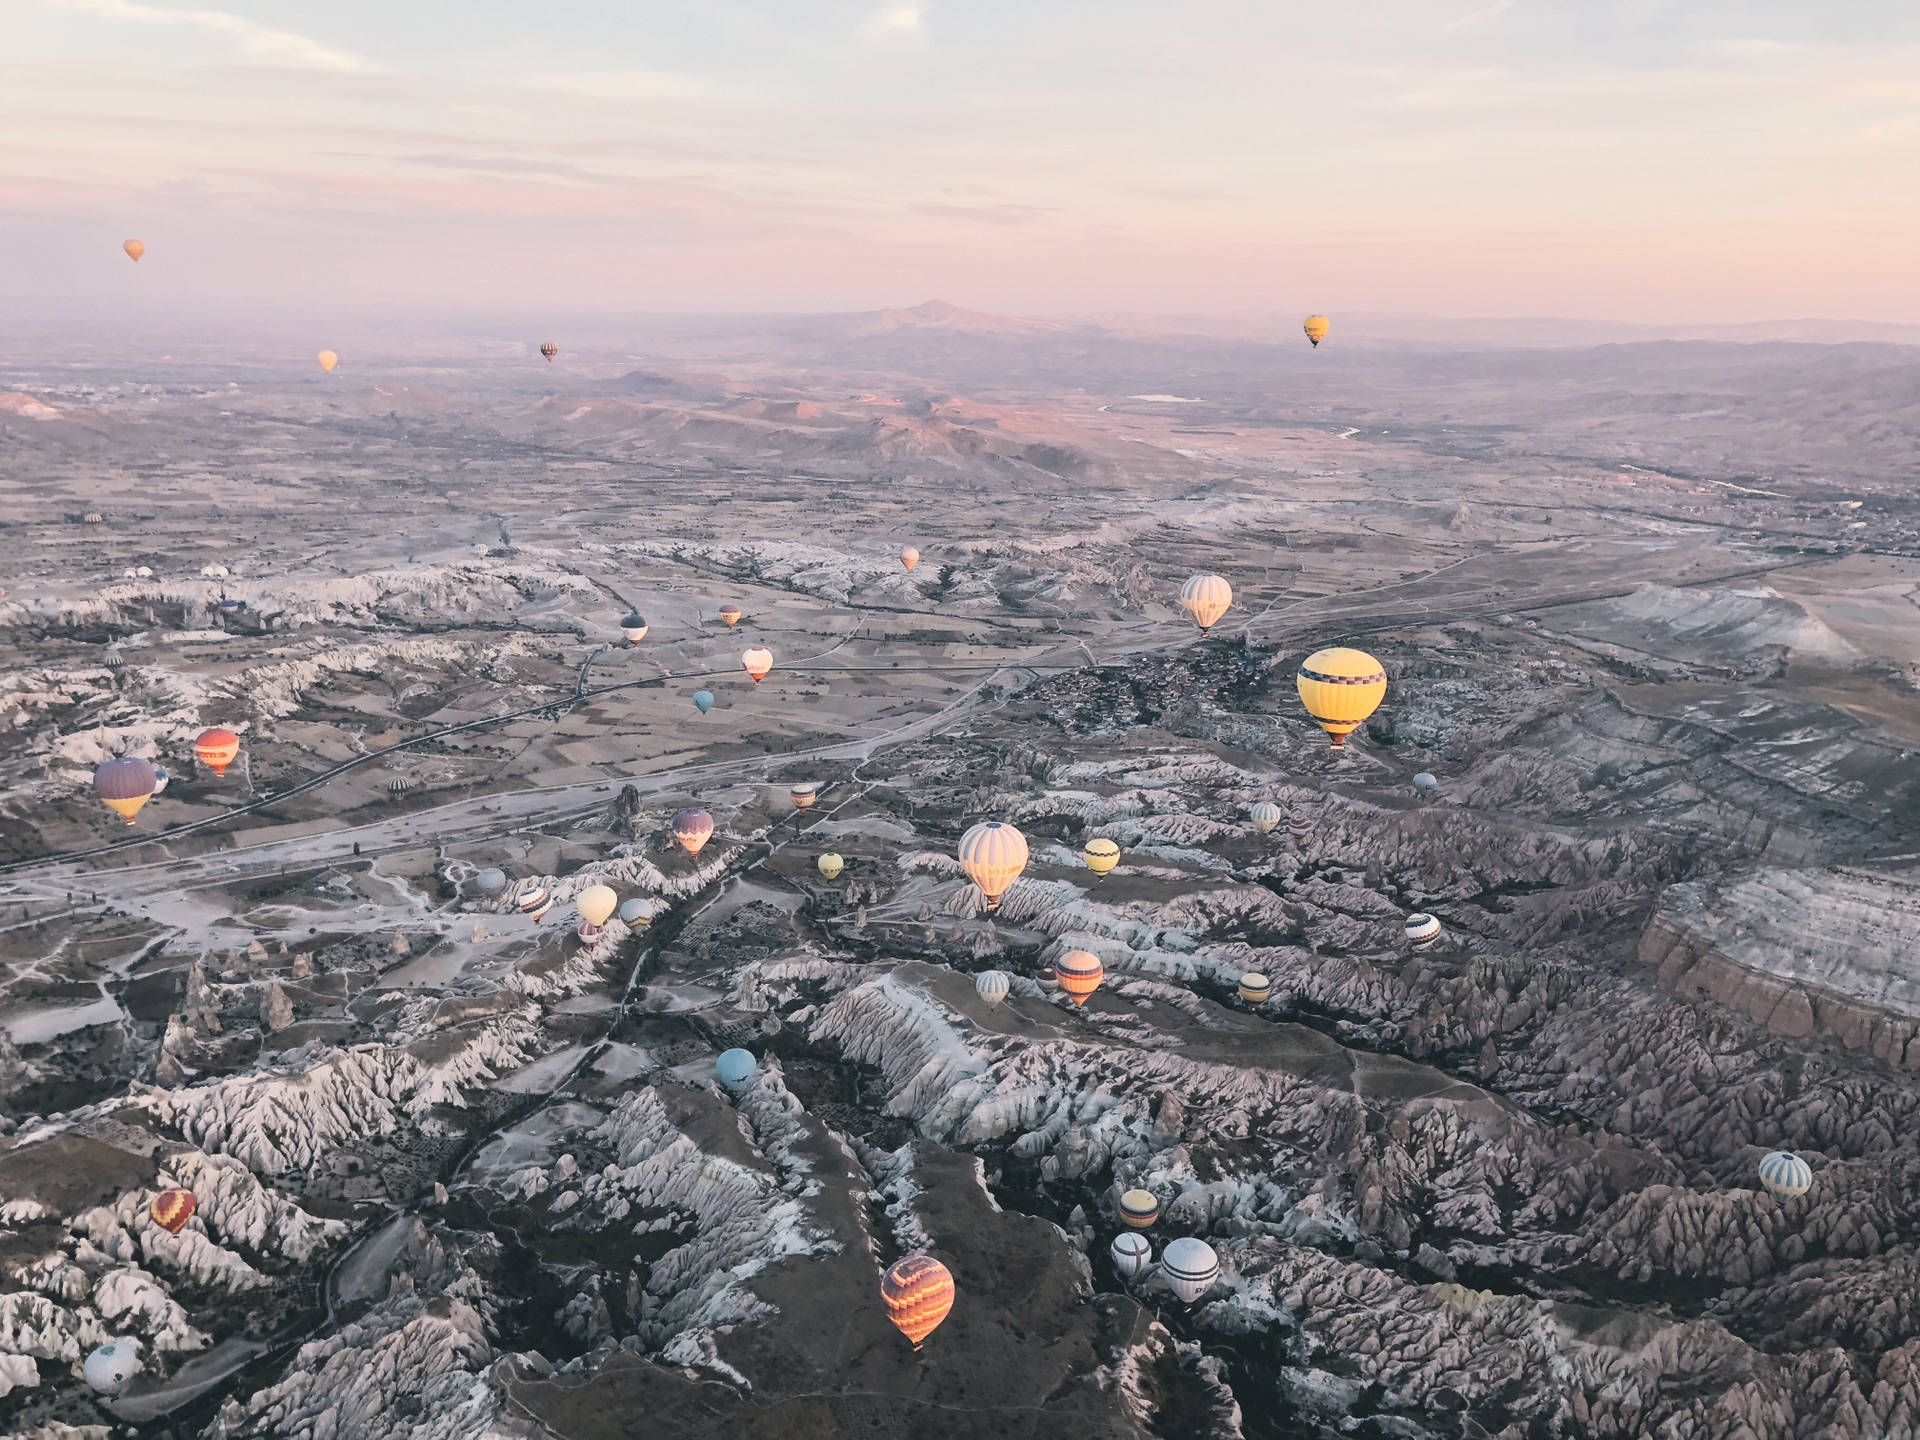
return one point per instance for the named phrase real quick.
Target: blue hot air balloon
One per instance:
(735, 1068)
(703, 700)
(1786, 1174)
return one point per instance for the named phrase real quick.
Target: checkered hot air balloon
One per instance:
(171, 1210)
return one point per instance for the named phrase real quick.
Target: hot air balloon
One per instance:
(217, 748)
(993, 854)
(1131, 1254)
(1341, 688)
(1786, 1174)
(730, 615)
(327, 360)
(534, 899)
(636, 913)
(1265, 817)
(1139, 1209)
(909, 557)
(1206, 598)
(1101, 856)
(160, 779)
(992, 986)
(1080, 974)
(490, 881)
(1299, 827)
(1505, 622)
(918, 1292)
(1255, 988)
(1425, 784)
(596, 905)
(1189, 1267)
(735, 1068)
(1316, 327)
(399, 786)
(549, 349)
(1531, 625)
(757, 662)
(1046, 979)
(633, 628)
(172, 1209)
(112, 1367)
(803, 794)
(1422, 930)
(114, 657)
(831, 865)
(703, 700)
(692, 828)
(134, 250)
(537, 913)
(125, 784)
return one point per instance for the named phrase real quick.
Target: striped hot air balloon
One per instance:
(803, 795)
(549, 349)
(1266, 817)
(1080, 974)
(1255, 988)
(1131, 1254)
(918, 1292)
(1101, 855)
(1422, 930)
(172, 1209)
(1341, 687)
(1190, 1267)
(1786, 1174)
(992, 986)
(534, 901)
(125, 785)
(1139, 1209)
(993, 854)
(1299, 827)
(692, 828)
(1206, 598)
(217, 748)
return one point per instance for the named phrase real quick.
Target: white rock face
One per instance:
(132, 1298)
(17, 1372)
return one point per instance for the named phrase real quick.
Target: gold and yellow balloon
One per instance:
(1206, 598)
(327, 360)
(1101, 855)
(1341, 688)
(831, 865)
(1316, 327)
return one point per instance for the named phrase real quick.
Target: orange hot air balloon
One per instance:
(918, 1292)
(757, 663)
(134, 250)
(730, 615)
(217, 749)
(171, 1210)
(1080, 974)
(549, 350)
(1316, 328)
(909, 557)
(327, 360)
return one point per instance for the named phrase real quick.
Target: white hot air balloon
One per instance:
(1189, 1267)
(1422, 930)
(992, 986)
(112, 1367)
(1206, 598)
(993, 855)
(1266, 817)
(1786, 1174)
(1131, 1254)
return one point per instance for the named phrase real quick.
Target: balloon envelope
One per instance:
(490, 881)
(1190, 1267)
(1316, 328)
(803, 794)
(992, 986)
(1425, 783)
(1080, 973)
(692, 828)
(735, 1068)
(1340, 688)
(1786, 1174)
(703, 700)
(731, 615)
(1255, 988)
(1266, 817)
(534, 899)
(1131, 1254)
(1139, 1209)
(110, 1368)
(1206, 598)
(636, 912)
(1423, 930)
(217, 748)
(993, 854)
(549, 350)
(909, 557)
(831, 865)
(757, 662)
(918, 1293)
(596, 904)
(134, 250)
(125, 785)
(633, 628)
(1101, 856)
(327, 360)
(172, 1209)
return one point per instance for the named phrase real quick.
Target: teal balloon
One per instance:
(703, 700)
(735, 1068)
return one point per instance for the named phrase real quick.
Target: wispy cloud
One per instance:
(259, 42)
(897, 19)
(1476, 17)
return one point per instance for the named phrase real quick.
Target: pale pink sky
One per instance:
(1638, 158)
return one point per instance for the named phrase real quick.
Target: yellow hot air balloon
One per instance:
(328, 360)
(993, 854)
(1341, 688)
(1206, 598)
(1316, 327)
(596, 904)
(730, 615)
(831, 865)
(134, 250)
(909, 557)
(1101, 856)
(757, 662)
